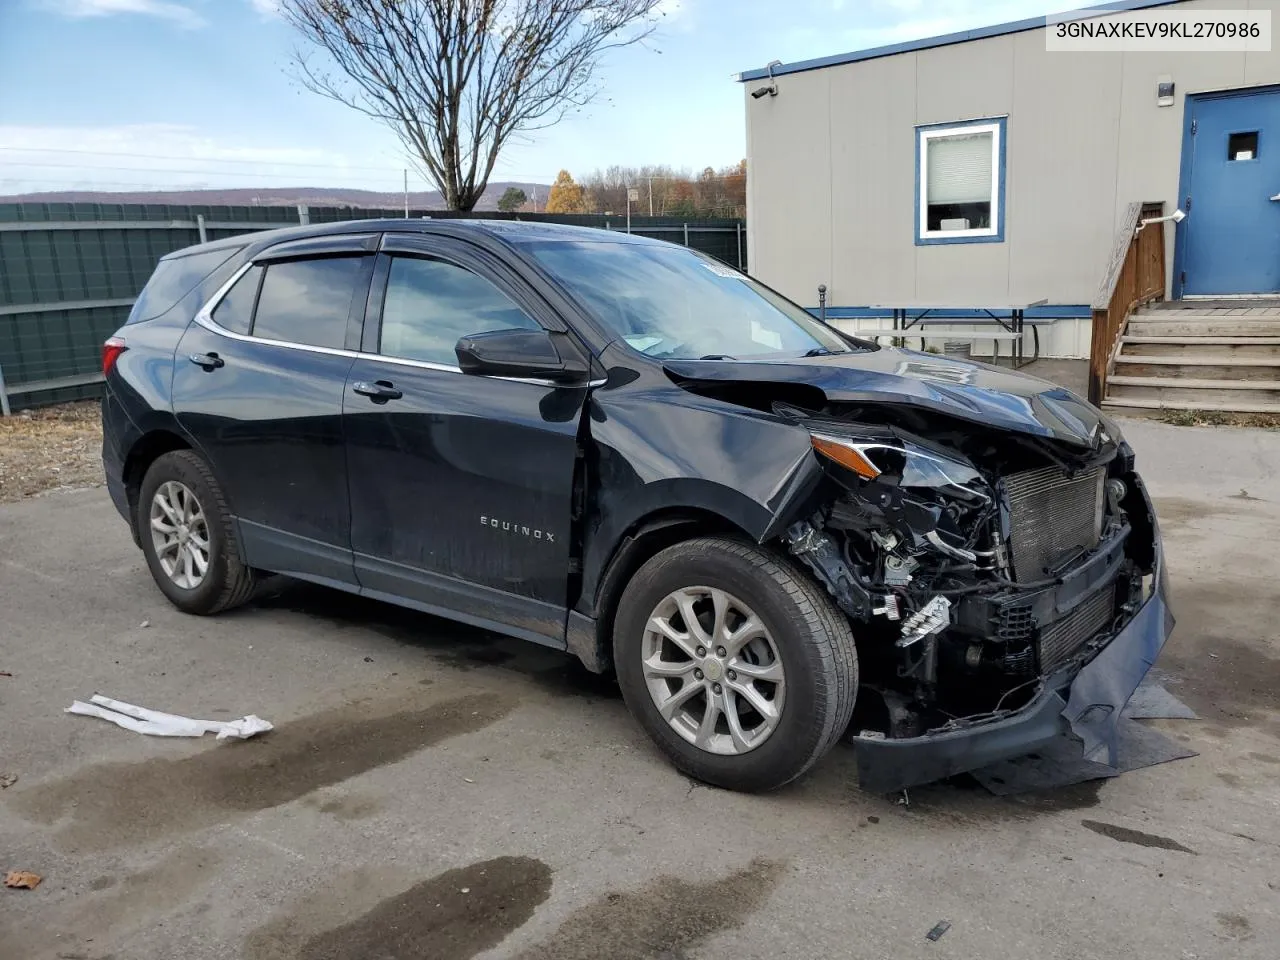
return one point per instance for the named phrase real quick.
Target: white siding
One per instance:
(831, 168)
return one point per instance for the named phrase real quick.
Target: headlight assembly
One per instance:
(911, 464)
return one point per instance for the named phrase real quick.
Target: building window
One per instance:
(960, 174)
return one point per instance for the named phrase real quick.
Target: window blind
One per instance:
(959, 169)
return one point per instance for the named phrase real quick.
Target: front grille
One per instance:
(1062, 638)
(1054, 516)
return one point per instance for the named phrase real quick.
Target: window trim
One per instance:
(204, 317)
(355, 312)
(998, 127)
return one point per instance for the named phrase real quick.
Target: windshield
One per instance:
(674, 303)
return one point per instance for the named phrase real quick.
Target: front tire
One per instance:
(188, 537)
(738, 666)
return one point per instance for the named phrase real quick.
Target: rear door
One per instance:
(461, 485)
(258, 384)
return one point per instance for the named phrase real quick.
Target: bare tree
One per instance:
(456, 79)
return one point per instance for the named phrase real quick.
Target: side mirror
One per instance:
(519, 353)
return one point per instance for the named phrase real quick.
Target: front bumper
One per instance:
(1082, 701)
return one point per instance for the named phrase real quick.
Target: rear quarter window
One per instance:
(173, 279)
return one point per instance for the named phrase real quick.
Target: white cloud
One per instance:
(170, 156)
(178, 13)
(267, 8)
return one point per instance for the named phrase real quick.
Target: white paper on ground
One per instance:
(157, 724)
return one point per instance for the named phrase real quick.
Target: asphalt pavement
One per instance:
(434, 791)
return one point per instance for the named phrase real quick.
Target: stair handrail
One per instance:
(1135, 275)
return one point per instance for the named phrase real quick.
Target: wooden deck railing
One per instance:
(1135, 275)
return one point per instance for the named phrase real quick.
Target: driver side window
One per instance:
(431, 304)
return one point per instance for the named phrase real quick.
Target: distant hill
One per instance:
(277, 197)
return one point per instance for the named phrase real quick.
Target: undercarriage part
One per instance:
(933, 617)
(817, 551)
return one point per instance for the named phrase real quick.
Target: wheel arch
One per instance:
(145, 451)
(591, 637)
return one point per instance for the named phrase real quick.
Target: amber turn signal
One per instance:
(846, 456)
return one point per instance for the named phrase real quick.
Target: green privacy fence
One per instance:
(69, 273)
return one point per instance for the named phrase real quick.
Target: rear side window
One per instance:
(431, 304)
(173, 279)
(235, 311)
(307, 301)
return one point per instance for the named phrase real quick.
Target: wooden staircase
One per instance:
(1186, 355)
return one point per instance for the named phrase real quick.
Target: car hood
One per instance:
(978, 392)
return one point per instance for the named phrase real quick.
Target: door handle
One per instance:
(380, 391)
(208, 361)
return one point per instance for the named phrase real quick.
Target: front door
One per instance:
(461, 485)
(1232, 230)
(259, 390)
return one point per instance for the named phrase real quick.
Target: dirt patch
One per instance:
(1125, 835)
(46, 449)
(452, 916)
(661, 919)
(1220, 418)
(118, 803)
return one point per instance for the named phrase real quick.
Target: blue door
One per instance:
(1232, 230)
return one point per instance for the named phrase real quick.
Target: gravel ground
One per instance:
(50, 449)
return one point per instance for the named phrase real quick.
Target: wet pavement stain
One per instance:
(452, 916)
(117, 803)
(661, 919)
(1073, 796)
(1221, 652)
(346, 808)
(1235, 926)
(1174, 513)
(1125, 835)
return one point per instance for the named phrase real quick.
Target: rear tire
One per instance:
(800, 670)
(188, 536)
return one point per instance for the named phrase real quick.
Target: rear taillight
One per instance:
(111, 351)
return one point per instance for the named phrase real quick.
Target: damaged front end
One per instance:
(1003, 588)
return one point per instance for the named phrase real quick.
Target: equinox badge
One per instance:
(532, 533)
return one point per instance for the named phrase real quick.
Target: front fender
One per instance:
(659, 449)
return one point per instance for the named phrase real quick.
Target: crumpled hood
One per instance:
(992, 396)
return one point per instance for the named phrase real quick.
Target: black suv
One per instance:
(773, 532)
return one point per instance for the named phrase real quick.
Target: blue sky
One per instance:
(143, 94)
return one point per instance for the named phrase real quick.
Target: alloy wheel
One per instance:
(180, 534)
(713, 670)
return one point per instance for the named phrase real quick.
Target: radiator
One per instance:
(1053, 516)
(1062, 638)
